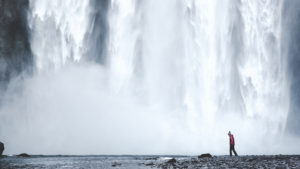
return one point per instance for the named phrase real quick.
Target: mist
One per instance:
(73, 111)
(151, 77)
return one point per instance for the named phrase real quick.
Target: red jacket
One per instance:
(231, 139)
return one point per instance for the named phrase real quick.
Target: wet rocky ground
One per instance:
(242, 162)
(143, 162)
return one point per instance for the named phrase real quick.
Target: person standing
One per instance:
(231, 143)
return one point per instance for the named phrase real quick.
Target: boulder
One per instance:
(207, 155)
(115, 164)
(150, 164)
(1, 148)
(173, 160)
(23, 155)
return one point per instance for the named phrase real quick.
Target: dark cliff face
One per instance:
(15, 53)
(291, 49)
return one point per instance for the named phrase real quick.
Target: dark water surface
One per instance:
(143, 162)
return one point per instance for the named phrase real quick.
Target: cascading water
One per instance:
(178, 75)
(263, 68)
(57, 35)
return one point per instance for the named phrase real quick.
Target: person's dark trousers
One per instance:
(232, 149)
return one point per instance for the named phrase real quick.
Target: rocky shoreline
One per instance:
(149, 162)
(262, 161)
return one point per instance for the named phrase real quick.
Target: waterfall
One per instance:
(58, 31)
(263, 68)
(177, 75)
(203, 60)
